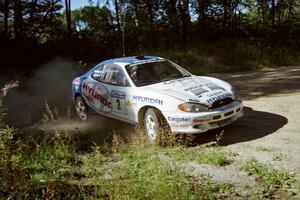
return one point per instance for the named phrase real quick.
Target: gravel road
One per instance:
(270, 129)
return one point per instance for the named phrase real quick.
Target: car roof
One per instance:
(131, 60)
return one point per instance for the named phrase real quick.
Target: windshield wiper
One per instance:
(147, 83)
(173, 77)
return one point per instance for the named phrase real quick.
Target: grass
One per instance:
(270, 181)
(53, 168)
(232, 55)
(51, 156)
(146, 174)
(202, 155)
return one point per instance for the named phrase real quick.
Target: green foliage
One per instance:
(53, 169)
(50, 156)
(206, 36)
(9, 161)
(232, 55)
(2, 113)
(93, 21)
(201, 155)
(91, 163)
(271, 179)
(144, 173)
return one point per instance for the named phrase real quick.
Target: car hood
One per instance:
(197, 89)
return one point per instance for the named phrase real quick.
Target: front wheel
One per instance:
(155, 126)
(81, 109)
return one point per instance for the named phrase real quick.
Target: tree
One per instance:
(185, 18)
(18, 19)
(117, 10)
(68, 16)
(201, 7)
(5, 15)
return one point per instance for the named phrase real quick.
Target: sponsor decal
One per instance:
(179, 125)
(147, 100)
(215, 94)
(96, 95)
(177, 80)
(213, 86)
(128, 103)
(222, 96)
(76, 83)
(194, 100)
(179, 119)
(194, 87)
(118, 94)
(199, 91)
(199, 120)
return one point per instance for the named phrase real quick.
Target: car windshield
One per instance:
(154, 72)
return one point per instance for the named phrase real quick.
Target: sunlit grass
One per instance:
(232, 55)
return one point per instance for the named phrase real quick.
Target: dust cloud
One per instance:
(52, 83)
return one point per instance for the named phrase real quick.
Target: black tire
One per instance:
(156, 127)
(81, 108)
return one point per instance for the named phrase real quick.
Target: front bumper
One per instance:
(185, 122)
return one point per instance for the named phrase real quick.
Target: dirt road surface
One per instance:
(270, 129)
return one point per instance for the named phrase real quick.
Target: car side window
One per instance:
(98, 73)
(110, 74)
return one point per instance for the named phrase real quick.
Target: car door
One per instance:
(110, 92)
(95, 92)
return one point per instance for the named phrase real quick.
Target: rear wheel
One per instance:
(155, 126)
(81, 108)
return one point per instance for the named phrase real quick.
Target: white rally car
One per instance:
(150, 90)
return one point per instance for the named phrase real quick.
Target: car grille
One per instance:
(221, 102)
(222, 122)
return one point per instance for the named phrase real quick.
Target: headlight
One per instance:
(192, 107)
(235, 94)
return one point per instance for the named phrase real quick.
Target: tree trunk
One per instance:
(173, 15)
(68, 16)
(273, 12)
(263, 7)
(202, 18)
(290, 12)
(32, 9)
(185, 18)
(149, 5)
(225, 14)
(117, 10)
(18, 19)
(52, 21)
(5, 16)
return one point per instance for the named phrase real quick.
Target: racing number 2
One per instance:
(119, 104)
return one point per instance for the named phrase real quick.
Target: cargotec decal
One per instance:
(179, 119)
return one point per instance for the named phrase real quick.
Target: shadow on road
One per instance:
(253, 125)
(100, 130)
(252, 85)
